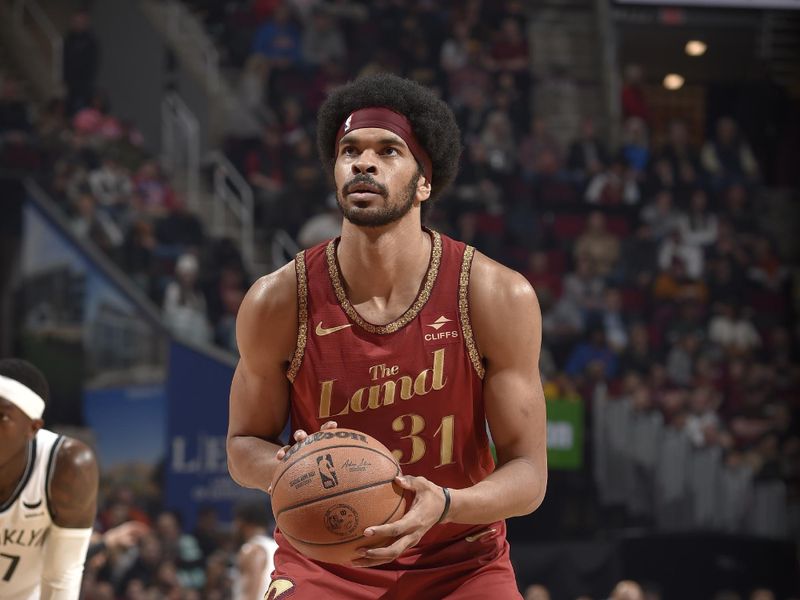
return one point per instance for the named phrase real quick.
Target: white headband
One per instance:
(22, 396)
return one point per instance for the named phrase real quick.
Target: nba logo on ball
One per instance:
(326, 471)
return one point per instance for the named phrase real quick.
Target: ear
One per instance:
(423, 189)
(36, 425)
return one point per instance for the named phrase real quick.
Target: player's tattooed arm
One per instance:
(73, 486)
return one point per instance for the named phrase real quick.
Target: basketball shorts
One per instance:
(473, 568)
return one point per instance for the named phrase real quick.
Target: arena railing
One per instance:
(39, 18)
(180, 139)
(232, 196)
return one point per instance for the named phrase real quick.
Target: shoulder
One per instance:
(73, 484)
(496, 288)
(269, 311)
(252, 555)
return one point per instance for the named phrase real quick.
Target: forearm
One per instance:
(516, 488)
(251, 461)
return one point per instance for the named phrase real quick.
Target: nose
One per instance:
(366, 163)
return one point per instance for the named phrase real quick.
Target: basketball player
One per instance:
(409, 336)
(48, 494)
(254, 562)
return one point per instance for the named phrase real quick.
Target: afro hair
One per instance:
(27, 374)
(432, 120)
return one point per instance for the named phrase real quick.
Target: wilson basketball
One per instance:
(332, 486)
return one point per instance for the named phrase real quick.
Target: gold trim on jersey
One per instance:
(302, 315)
(463, 309)
(406, 317)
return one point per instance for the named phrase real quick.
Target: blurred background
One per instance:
(638, 162)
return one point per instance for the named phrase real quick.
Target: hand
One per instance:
(299, 436)
(125, 535)
(425, 511)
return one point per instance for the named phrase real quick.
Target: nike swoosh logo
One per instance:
(327, 331)
(32, 506)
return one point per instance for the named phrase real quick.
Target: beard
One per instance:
(378, 216)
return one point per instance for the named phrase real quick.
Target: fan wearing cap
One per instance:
(48, 494)
(417, 339)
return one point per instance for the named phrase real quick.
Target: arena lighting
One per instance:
(696, 48)
(673, 81)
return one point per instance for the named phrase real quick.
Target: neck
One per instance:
(396, 258)
(11, 473)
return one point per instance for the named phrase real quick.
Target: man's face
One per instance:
(16, 430)
(377, 178)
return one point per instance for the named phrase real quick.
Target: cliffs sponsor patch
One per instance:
(442, 330)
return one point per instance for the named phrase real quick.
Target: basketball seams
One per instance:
(299, 458)
(347, 541)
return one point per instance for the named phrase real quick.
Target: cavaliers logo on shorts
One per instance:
(281, 587)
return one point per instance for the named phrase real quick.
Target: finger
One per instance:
(402, 526)
(300, 435)
(329, 425)
(391, 552)
(281, 453)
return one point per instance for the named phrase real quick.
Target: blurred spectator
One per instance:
(634, 103)
(681, 358)
(497, 137)
(676, 247)
(81, 56)
(184, 305)
(253, 83)
(588, 154)
(90, 223)
(766, 271)
(762, 594)
(546, 282)
(207, 531)
(684, 161)
(278, 39)
(660, 215)
(509, 49)
(674, 284)
(698, 226)
(154, 194)
(138, 254)
(639, 354)
(732, 330)
(182, 552)
(454, 52)
(727, 157)
(539, 152)
(322, 39)
(96, 122)
(615, 185)
(323, 226)
(593, 356)
(613, 321)
(254, 562)
(180, 229)
(111, 185)
(597, 247)
(635, 145)
(627, 590)
(537, 592)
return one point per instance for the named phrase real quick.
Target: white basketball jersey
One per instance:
(25, 521)
(270, 546)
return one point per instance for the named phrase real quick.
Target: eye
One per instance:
(349, 151)
(389, 151)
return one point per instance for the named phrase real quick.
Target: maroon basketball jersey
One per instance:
(415, 384)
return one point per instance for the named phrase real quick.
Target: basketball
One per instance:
(329, 488)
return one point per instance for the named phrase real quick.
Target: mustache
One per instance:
(363, 178)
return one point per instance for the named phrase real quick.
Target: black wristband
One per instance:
(446, 504)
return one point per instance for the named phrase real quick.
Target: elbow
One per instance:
(231, 450)
(539, 489)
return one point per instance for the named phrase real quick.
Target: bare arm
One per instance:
(266, 332)
(73, 488)
(508, 329)
(252, 562)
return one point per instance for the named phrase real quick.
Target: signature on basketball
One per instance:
(356, 466)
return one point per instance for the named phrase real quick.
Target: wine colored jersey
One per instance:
(415, 384)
